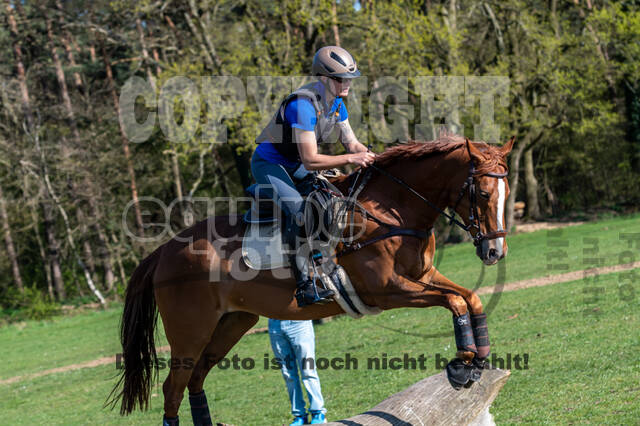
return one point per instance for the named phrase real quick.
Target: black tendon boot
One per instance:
(460, 372)
(306, 291)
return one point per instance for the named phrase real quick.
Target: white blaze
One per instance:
(501, 201)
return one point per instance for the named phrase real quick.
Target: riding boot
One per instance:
(307, 292)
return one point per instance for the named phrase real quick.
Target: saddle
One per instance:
(325, 213)
(324, 222)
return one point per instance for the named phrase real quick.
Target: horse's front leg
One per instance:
(470, 327)
(472, 312)
(468, 320)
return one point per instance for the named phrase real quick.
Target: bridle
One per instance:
(474, 218)
(469, 187)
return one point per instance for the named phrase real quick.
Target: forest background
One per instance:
(69, 171)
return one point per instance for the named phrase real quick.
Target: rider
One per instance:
(288, 148)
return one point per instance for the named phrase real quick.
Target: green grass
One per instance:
(583, 366)
(583, 363)
(33, 346)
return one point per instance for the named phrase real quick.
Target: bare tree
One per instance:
(125, 141)
(17, 51)
(45, 262)
(54, 249)
(66, 43)
(8, 240)
(145, 52)
(43, 174)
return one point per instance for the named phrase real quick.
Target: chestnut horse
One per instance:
(208, 298)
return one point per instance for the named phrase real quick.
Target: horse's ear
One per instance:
(506, 148)
(474, 152)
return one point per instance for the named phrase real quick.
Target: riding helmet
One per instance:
(334, 61)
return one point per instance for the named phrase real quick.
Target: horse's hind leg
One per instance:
(231, 327)
(189, 322)
(181, 365)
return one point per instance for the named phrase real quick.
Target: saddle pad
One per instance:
(262, 246)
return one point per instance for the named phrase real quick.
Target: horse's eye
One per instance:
(484, 194)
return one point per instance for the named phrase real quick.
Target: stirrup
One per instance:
(308, 293)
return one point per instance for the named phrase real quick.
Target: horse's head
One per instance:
(481, 201)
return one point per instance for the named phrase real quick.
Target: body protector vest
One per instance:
(280, 133)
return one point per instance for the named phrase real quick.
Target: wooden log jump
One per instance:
(432, 401)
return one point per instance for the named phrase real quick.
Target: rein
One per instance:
(468, 186)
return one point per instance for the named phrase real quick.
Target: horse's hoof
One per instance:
(459, 373)
(476, 373)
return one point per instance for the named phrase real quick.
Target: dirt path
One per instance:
(521, 228)
(558, 278)
(517, 285)
(93, 363)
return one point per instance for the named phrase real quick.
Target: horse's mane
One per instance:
(444, 144)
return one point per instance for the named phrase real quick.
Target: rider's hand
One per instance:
(362, 158)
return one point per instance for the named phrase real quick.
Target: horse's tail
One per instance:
(137, 338)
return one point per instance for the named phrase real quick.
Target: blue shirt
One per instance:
(300, 114)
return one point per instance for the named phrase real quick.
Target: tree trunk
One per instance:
(533, 206)
(123, 277)
(104, 253)
(175, 166)
(217, 164)
(426, 6)
(125, 142)
(514, 178)
(453, 19)
(200, 32)
(44, 176)
(72, 244)
(334, 22)
(433, 401)
(90, 261)
(43, 255)
(156, 57)
(552, 202)
(86, 244)
(496, 26)
(8, 239)
(64, 92)
(174, 30)
(145, 53)
(66, 43)
(54, 250)
(554, 18)
(22, 79)
(531, 138)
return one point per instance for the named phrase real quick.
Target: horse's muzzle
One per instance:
(489, 252)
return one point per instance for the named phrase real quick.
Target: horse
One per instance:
(208, 298)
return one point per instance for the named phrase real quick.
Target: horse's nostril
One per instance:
(492, 253)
